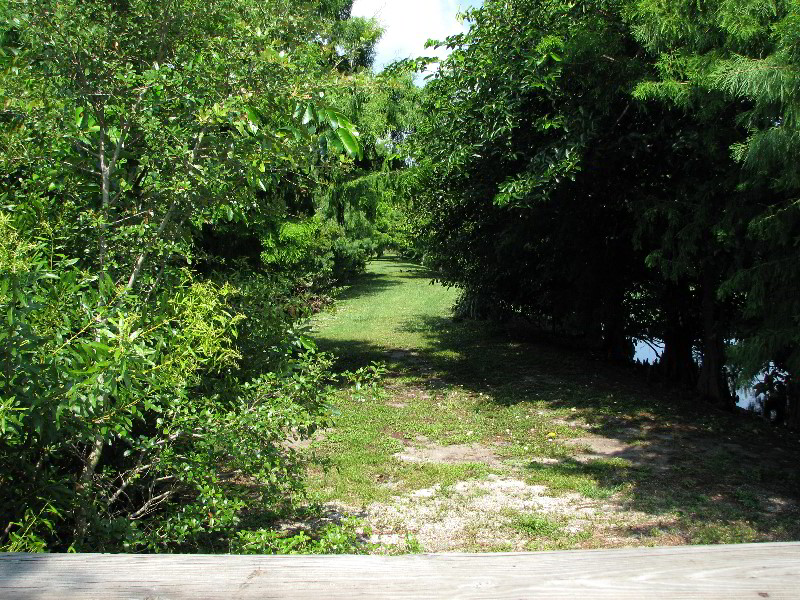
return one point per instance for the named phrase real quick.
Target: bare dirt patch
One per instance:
(473, 515)
(430, 452)
(401, 354)
(654, 452)
(545, 460)
(570, 423)
(401, 396)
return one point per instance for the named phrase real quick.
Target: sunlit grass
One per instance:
(474, 383)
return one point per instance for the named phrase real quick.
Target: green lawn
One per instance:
(392, 306)
(680, 475)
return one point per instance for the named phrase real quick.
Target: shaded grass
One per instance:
(723, 477)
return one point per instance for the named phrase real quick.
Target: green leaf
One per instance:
(334, 141)
(341, 120)
(350, 142)
(309, 115)
(253, 115)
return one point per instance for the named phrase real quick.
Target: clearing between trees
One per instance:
(477, 439)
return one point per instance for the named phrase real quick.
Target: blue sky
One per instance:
(409, 24)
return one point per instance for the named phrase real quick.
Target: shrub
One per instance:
(317, 252)
(140, 430)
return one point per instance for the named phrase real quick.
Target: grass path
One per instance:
(478, 440)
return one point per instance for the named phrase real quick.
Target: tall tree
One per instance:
(127, 126)
(735, 67)
(582, 165)
(531, 149)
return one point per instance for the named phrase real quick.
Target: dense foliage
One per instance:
(183, 182)
(160, 245)
(617, 170)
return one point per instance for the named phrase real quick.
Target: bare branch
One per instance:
(151, 504)
(127, 481)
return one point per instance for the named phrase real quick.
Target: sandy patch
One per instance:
(401, 396)
(574, 424)
(545, 460)
(655, 454)
(473, 514)
(457, 453)
(431, 452)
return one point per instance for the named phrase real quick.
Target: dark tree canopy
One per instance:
(625, 169)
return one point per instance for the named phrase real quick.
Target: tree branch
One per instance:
(139, 265)
(151, 504)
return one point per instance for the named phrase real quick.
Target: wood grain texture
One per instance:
(752, 571)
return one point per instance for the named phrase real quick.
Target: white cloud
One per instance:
(409, 24)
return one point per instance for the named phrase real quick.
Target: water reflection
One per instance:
(648, 352)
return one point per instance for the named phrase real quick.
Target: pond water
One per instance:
(649, 352)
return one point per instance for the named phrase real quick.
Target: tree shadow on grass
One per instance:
(354, 354)
(479, 352)
(718, 498)
(373, 284)
(726, 477)
(368, 284)
(714, 476)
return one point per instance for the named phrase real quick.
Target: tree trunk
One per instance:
(677, 362)
(616, 343)
(83, 491)
(711, 383)
(792, 420)
(340, 211)
(617, 346)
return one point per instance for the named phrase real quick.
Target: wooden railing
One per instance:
(751, 571)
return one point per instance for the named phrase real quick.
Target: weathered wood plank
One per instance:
(726, 572)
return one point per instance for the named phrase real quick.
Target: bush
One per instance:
(126, 430)
(316, 251)
(342, 538)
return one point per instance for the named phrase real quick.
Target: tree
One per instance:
(128, 127)
(530, 153)
(735, 67)
(582, 169)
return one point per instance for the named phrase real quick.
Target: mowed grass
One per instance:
(380, 312)
(374, 321)
(701, 476)
(441, 385)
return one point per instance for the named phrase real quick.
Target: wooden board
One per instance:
(726, 572)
